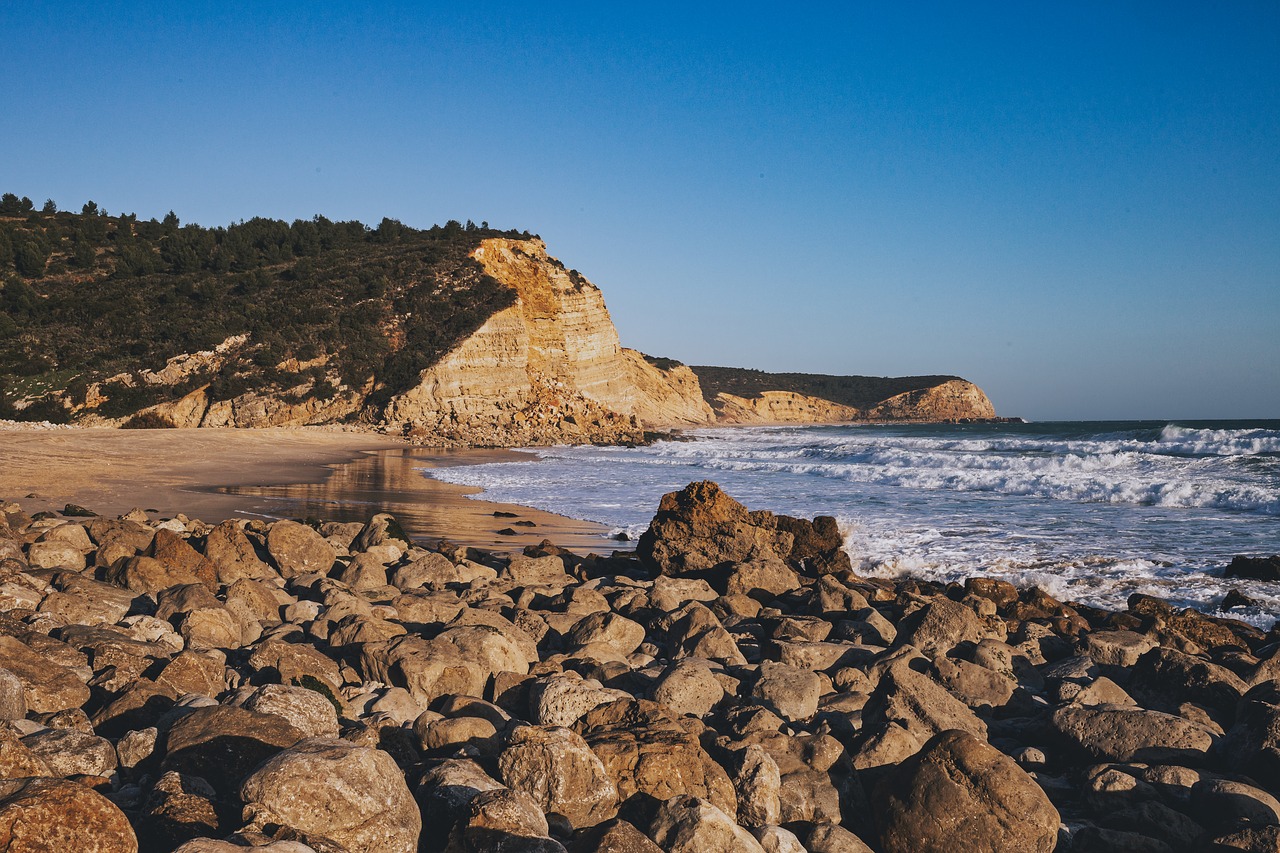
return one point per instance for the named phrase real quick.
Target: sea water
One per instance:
(1089, 511)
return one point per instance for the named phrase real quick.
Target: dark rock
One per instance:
(700, 527)
(223, 744)
(1256, 568)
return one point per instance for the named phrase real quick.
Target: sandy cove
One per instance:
(214, 474)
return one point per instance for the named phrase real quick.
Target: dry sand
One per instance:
(212, 474)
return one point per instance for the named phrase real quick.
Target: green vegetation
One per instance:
(859, 392)
(87, 298)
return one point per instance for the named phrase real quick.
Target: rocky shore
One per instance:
(172, 685)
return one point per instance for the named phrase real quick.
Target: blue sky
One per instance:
(1077, 206)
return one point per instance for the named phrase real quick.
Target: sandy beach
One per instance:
(214, 474)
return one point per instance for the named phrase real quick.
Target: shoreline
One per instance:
(294, 472)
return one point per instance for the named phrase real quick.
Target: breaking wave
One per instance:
(1094, 511)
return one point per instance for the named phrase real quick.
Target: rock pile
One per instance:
(176, 686)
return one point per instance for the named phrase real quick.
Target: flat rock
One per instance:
(47, 686)
(1128, 733)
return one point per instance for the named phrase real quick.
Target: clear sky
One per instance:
(1075, 205)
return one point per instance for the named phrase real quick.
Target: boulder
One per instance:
(232, 554)
(68, 752)
(689, 687)
(757, 781)
(829, 838)
(47, 687)
(700, 527)
(55, 555)
(503, 821)
(817, 544)
(1128, 733)
(298, 550)
(655, 764)
(222, 744)
(562, 699)
(919, 704)
(686, 824)
(176, 554)
(1256, 568)
(38, 815)
(555, 766)
(940, 626)
(309, 711)
(355, 795)
(959, 789)
(790, 691)
(1118, 648)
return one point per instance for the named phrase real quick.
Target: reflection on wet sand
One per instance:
(389, 481)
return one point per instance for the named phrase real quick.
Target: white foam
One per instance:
(1090, 515)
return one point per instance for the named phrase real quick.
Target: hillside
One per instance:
(456, 334)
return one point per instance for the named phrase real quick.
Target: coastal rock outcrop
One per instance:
(732, 687)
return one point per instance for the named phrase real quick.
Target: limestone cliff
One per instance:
(451, 335)
(754, 397)
(548, 368)
(955, 399)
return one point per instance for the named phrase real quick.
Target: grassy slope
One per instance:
(84, 297)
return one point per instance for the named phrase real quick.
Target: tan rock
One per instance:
(353, 795)
(39, 815)
(48, 687)
(700, 527)
(555, 766)
(297, 549)
(960, 789)
(686, 824)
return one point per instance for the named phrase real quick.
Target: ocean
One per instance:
(1090, 511)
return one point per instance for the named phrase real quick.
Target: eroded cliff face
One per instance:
(954, 400)
(549, 368)
(781, 407)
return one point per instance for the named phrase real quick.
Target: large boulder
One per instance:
(686, 824)
(960, 791)
(351, 794)
(555, 766)
(39, 815)
(297, 549)
(222, 743)
(700, 527)
(1129, 733)
(47, 686)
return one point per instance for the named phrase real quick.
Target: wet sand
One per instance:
(214, 474)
